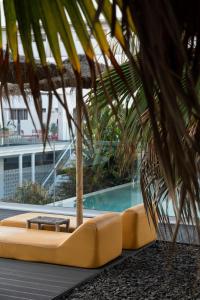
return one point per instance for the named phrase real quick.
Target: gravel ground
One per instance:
(157, 272)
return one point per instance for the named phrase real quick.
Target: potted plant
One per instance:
(54, 131)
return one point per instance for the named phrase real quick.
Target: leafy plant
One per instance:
(53, 128)
(32, 193)
(163, 65)
(4, 129)
(96, 177)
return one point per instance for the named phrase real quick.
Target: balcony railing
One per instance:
(12, 139)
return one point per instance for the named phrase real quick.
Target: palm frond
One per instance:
(164, 72)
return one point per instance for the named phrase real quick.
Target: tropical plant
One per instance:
(166, 61)
(106, 153)
(32, 193)
(53, 128)
(96, 177)
(136, 126)
(4, 129)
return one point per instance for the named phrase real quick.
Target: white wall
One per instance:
(49, 55)
(1, 177)
(27, 125)
(63, 128)
(58, 114)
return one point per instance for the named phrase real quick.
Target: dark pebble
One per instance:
(155, 273)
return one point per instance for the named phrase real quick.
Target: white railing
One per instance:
(66, 155)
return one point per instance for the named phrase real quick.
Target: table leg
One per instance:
(28, 225)
(67, 227)
(57, 227)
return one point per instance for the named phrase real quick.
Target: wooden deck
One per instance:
(38, 281)
(26, 280)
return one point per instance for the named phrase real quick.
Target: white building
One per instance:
(19, 113)
(21, 165)
(19, 122)
(58, 115)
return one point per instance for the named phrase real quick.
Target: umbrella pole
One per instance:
(79, 159)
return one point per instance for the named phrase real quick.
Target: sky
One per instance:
(2, 14)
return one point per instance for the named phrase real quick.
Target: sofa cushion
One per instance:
(92, 245)
(21, 221)
(137, 229)
(14, 235)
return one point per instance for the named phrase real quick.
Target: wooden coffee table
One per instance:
(42, 220)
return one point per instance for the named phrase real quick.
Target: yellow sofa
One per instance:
(137, 230)
(21, 221)
(93, 244)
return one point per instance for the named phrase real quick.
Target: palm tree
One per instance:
(135, 130)
(165, 59)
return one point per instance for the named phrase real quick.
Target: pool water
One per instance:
(116, 199)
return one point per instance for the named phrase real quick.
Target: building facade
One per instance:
(19, 166)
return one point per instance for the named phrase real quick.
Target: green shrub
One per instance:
(95, 178)
(32, 193)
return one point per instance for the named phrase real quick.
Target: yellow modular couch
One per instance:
(93, 244)
(21, 221)
(137, 229)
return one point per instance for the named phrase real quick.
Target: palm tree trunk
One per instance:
(79, 158)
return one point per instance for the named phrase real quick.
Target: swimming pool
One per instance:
(114, 199)
(111, 199)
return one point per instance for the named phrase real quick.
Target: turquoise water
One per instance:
(117, 199)
(114, 200)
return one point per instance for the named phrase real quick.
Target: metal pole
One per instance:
(54, 166)
(33, 167)
(20, 170)
(79, 158)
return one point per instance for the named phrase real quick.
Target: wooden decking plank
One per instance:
(24, 295)
(41, 268)
(7, 297)
(23, 276)
(48, 278)
(39, 279)
(27, 283)
(59, 273)
(17, 288)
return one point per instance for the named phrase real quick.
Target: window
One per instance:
(44, 110)
(46, 158)
(19, 114)
(26, 161)
(11, 163)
